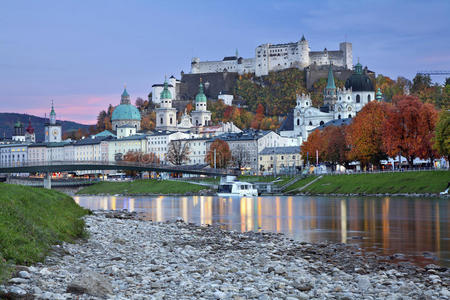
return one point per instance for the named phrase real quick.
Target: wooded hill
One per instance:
(7, 121)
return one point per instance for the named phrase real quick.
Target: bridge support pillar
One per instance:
(48, 180)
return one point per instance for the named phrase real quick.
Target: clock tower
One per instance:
(52, 129)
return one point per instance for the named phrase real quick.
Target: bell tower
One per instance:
(53, 130)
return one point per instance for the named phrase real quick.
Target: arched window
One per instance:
(368, 98)
(298, 122)
(161, 120)
(170, 120)
(196, 122)
(358, 99)
(350, 115)
(321, 123)
(339, 117)
(310, 123)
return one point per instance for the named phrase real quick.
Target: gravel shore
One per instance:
(127, 258)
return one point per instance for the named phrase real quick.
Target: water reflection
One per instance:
(382, 225)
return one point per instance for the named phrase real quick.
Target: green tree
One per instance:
(442, 134)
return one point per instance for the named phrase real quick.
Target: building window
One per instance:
(161, 121)
(358, 99)
(170, 121)
(321, 123)
(350, 115)
(298, 122)
(368, 98)
(310, 123)
(339, 117)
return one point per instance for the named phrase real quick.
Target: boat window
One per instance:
(226, 188)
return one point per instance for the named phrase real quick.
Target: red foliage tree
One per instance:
(259, 116)
(409, 129)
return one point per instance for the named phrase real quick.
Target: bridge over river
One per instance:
(60, 166)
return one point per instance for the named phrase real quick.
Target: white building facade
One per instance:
(339, 104)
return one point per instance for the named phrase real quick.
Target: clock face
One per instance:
(55, 132)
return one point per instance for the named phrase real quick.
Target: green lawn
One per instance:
(31, 220)
(405, 182)
(147, 186)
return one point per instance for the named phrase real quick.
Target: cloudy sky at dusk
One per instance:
(81, 53)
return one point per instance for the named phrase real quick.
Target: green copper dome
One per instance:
(358, 81)
(165, 94)
(125, 112)
(18, 124)
(379, 95)
(200, 96)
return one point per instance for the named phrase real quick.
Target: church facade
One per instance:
(339, 104)
(275, 57)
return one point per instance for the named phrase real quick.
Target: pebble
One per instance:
(127, 258)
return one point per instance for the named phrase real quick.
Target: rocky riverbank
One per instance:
(127, 258)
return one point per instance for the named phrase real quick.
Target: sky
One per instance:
(81, 53)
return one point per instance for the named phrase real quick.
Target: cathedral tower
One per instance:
(201, 116)
(166, 115)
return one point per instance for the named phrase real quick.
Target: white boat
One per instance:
(229, 187)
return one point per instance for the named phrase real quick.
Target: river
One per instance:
(413, 229)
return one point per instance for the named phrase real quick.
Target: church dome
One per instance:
(358, 81)
(166, 94)
(201, 97)
(125, 112)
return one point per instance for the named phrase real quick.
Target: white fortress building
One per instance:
(275, 57)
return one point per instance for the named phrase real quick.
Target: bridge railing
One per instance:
(159, 166)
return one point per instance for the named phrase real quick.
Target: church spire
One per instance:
(52, 115)
(330, 82)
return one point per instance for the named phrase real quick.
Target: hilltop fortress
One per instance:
(275, 57)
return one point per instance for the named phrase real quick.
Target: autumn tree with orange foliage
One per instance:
(409, 129)
(315, 142)
(223, 154)
(335, 150)
(148, 122)
(259, 116)
(141, 158)
(189, 108)
(365, 135)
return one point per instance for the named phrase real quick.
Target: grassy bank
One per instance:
(149, 186)
(31, 220)
(392, 183)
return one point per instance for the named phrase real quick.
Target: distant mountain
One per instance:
(7, 121)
